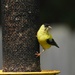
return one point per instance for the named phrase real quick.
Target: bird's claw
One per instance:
(37, 54)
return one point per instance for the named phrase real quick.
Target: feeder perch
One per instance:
(43, 72)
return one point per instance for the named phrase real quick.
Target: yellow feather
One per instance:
(42, 36)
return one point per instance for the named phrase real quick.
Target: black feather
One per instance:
(52, 42)
(46, 25)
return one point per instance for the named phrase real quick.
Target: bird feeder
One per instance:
(20, 19)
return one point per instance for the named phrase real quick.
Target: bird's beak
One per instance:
(49, 27)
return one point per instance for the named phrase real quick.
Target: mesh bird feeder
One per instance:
(20, 25)
(20, 20)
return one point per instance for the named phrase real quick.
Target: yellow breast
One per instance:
(42, 40)
(42, 36)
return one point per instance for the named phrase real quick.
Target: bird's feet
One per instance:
(37, 54)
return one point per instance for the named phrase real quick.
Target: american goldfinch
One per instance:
(44, 38)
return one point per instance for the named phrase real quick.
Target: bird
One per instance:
(45, 38)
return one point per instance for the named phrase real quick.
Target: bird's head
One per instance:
(47, 26)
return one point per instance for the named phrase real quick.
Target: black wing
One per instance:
(52, 42)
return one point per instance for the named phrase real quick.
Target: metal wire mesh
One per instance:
(20, 24)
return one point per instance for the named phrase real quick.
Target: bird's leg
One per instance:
(38, 54)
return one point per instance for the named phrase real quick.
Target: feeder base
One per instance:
(43, 72)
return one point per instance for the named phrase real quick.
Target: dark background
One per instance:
(56, 11)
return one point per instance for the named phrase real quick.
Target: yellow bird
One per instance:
(44, 38)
